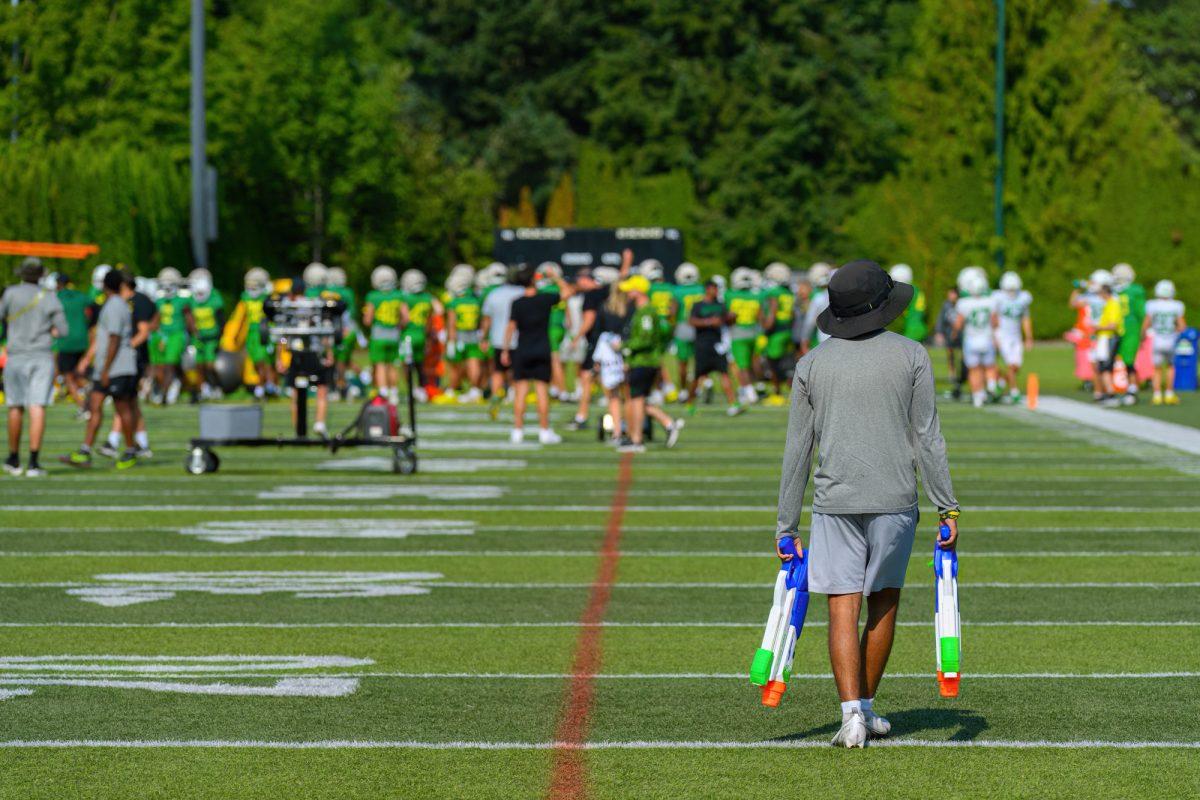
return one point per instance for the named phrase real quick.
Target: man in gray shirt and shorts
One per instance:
(33, 317)
(864, 399)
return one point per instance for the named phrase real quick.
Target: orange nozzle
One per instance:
(948, 687)
(772, 693)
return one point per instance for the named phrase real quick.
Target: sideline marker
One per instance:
(1031, 391)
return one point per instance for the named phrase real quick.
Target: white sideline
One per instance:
(1169, 434)
(409, 744)
(53, 679)
(613, 624)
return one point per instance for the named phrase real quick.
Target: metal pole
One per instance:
(200, 225)
(16, 67)
(1001, 23)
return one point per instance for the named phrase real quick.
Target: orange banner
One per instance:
(48, 249)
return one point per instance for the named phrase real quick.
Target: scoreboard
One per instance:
(574, 248)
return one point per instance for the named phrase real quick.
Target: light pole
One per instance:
(1001, 23)
(200, 208)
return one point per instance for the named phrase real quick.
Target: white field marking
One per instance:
(124, 589)
(569, 624)
(409, 744)
(438, 465)
(477, 445)
(440, 427)
(517, 528)
(170, 674)
(473, 553)
(240, 531)
(1159, 432)
(383, 491)
(655, 676)
(546, 508)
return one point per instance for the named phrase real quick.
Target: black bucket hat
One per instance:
(862, 298)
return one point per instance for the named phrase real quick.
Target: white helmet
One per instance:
(756, 279)
(256, 281)
(1100, 278)
(819, 274)
(201, 287)
(336, 277)
(901, 273)
(721, 283)
(1010, 282)
(687, 273)
(383, 278)
(548, 270)
(413, 281)
(315, 275)
(460, 279)
(493, 274)
(741, 279)
(1123, 275)
(98, 275)
(169, 279)
(1164, 290)
(606, 275)
(972, 280)
(778, 273)
(651, 269)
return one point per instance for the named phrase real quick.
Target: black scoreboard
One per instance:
(588, 247)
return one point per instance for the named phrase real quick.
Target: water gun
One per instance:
(772, 665)
(946, 620)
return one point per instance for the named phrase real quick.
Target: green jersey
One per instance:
(558, 314)
(207, 315)
(785, 306)
(648, 336)
(468, 312)
(745, 306)
(662, 299)
(385, 325)
(75, 305)
(348, 297)
(420, 309)
(687, 296)
(171, 318)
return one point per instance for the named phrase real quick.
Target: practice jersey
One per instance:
(385, 325)
(1011, 309)
(254, 307)
(468, 311)
(662, 298)
(171, 317)
(75, 305)
(1164, 318)
(206, 315)
(1111, 317)
(558, 314)
(1094, 303)
(420, 309)
(745, 306)
(785, 305)
(977, 320)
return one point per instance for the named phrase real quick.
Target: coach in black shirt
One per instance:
(529, 321)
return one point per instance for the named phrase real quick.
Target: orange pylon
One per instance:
(1031, 391)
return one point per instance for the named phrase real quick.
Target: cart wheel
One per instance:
(404, 462)
(196, 463)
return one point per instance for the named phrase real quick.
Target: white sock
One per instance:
(114, 439)
(849, 706)
(142, 439)
(991, 386)
(866, 704)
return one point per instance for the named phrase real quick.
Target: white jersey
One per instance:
(1094, 304)
(1164, 316)
(1011, 308)
(977, 326)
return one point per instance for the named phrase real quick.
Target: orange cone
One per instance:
(1031, 391)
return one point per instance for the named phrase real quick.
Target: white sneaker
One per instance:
(35, 472)
(735, 410)
(420, 395)
(673, 433)
(320, 430)
(853, 732)
(517, 436)
(876, 725)
(547, 436)
(15, 471)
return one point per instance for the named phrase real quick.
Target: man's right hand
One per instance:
(948, 544)
(788, 556)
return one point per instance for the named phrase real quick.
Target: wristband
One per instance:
(952, 513)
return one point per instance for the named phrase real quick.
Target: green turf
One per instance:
(482, 657)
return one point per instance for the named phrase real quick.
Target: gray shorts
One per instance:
(860, 552)
(29, 381)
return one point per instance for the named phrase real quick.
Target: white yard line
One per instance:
(474, 553)
(544, 508)
(409, 744)
(31, 678)
(538, 585)
(575, 624)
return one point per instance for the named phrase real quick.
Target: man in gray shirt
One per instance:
(113, 363)
(497, 307)
(33, 317)
(864, 399)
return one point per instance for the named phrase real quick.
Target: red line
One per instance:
(568, 777)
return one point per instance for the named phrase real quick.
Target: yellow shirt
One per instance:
(1111, 317)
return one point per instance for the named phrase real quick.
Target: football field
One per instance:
(526, 621)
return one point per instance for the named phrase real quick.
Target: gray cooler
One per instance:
(221, 423)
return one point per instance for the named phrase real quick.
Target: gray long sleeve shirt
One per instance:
(30, 313)
(867, 405)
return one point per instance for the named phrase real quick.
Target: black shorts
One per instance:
(589, 357)
(310, 367)
(531, 366)
(497, 364)
(67, 362)
(641, 380)
(121, 387)
(709, 361)
(1114, 350)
